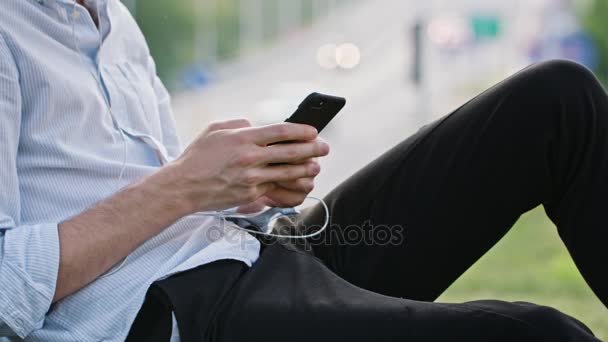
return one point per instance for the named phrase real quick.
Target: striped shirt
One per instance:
(74, 116)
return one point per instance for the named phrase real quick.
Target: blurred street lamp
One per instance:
(418, 40)
(421, 66)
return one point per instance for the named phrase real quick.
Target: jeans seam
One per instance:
(219, 305)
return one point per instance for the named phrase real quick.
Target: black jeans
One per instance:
(411, 222)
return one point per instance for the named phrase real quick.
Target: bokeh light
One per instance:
(449, 31)
(326, 56)
(348, 56)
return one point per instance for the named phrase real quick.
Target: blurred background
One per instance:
(400, 64)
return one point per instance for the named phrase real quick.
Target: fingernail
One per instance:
(324, 148)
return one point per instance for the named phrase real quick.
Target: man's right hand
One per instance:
(232, 164)
(228, 165)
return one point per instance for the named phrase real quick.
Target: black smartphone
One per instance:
(317, 110)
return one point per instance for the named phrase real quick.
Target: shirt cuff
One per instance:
(28, 276)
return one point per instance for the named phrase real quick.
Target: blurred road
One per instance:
(383, 105)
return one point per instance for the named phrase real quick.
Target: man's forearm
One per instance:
(94, 241)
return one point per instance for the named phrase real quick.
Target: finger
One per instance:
(285, 198)
(229, 124)
(253, 207)
(295, 152)
(271, 203)
(300, 161)
(282, 132)
(305, 185)
(304, 161)
(286, 172)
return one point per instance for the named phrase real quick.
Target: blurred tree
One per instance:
(178, 32)
(169, 29)
(594, 20)
(227, 19)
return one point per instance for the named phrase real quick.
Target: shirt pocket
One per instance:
(133, 100)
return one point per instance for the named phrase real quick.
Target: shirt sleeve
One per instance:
(29, 254)
(167, 120)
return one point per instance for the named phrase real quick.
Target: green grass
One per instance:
(531, 264)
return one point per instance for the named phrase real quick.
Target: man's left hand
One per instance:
(285, 194)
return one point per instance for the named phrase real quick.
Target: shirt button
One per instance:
(76, 15)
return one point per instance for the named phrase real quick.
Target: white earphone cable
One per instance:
(98, 79)
(307, 236)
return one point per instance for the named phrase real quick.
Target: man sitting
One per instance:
(101, 240)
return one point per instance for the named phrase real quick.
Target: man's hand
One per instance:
(233, 164)
(285, 194)
(228, 165)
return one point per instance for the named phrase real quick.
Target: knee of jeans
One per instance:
(568, 90)
(567, 76)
